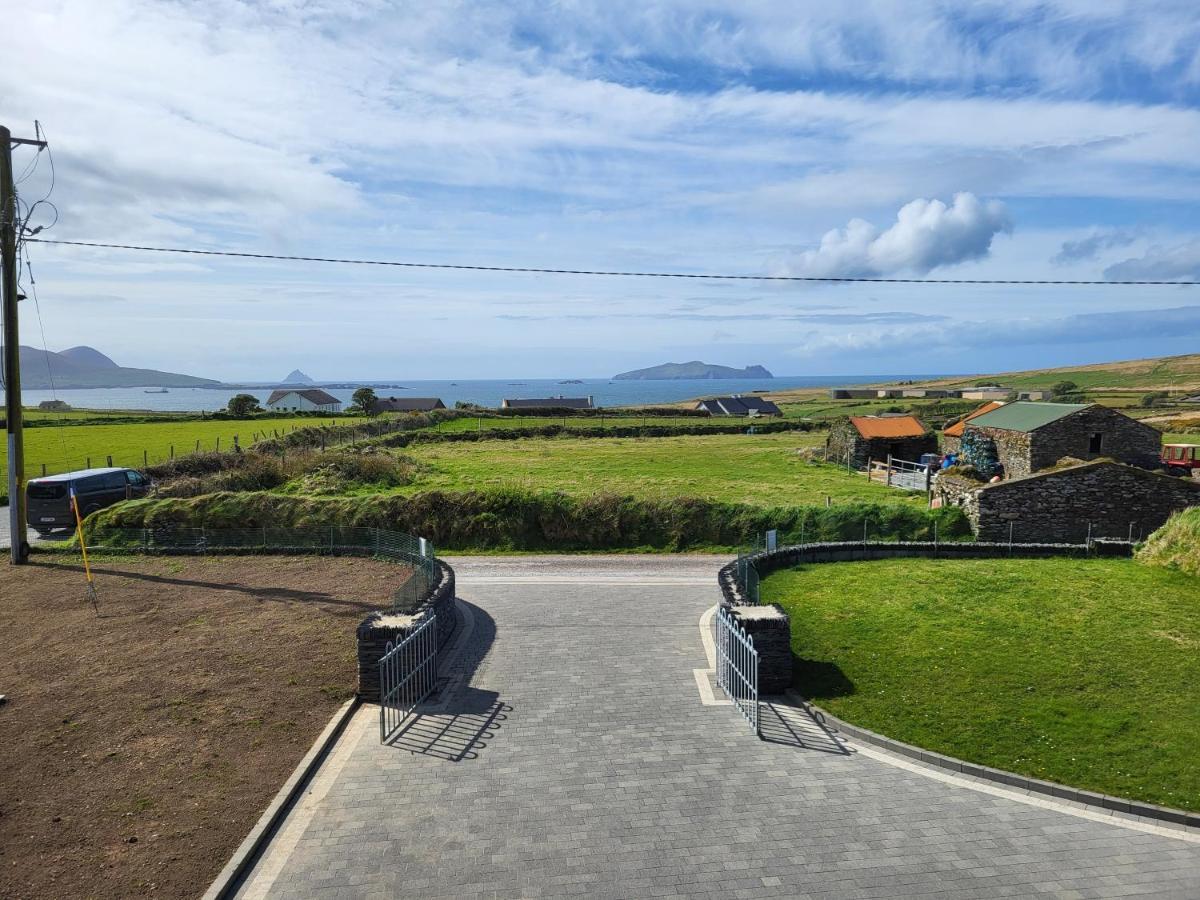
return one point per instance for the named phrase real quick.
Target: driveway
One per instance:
(574, 754)
(32, 538)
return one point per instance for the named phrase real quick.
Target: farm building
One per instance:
(952, 434)
(1035, 395)
(407, 404)
(853, 393)
(1099, 499)
(864, 438)
(985, 393)
(1033, 436)
(549, 403)
(304, 400)
(739, 405)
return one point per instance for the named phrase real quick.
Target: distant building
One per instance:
(407, 404)
(739, 405)
(304, 400)
(952, 434)
(1034, 395)
(864, 438)
(853, 393)
(1034, 436)
(892, 392)
(985, 393)
(549, 403)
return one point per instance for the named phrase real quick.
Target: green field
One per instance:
(762, 468)
(1082, 672)
(69, 447)
(483, 423)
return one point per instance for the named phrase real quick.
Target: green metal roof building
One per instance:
(1026, 416)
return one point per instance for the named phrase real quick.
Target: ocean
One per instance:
(485, 393)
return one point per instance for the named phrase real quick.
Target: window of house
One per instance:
(1096, 442)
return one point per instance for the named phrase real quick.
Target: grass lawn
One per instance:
(67, 448)
(1082, 672)
(760, 468)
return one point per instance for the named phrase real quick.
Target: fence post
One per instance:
(218, 443)
(889, 470)
(1089, 538)
(935, 538)
(869, 462)
(172, 451)
(864, 531)
(44, 475)
(89, 463)
(1010, 531)
(145, 457)
(109, 458)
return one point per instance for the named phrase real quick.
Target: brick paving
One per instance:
(578, 760)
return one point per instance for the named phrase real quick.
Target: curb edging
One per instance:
(247, 853)
(1187, 821)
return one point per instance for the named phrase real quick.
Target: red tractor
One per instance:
(1181, 459)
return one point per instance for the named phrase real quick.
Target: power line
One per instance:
(605, 273)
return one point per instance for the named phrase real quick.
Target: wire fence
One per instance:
(416, 553)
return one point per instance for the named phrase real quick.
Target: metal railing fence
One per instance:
(407, 675)
(737, 667)
(415, 552)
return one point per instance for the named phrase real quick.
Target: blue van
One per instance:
(48, 499)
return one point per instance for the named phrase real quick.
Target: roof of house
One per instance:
(956, 429)
(312, 395)
(408, 404)
(550, 403)
(740, 406)
(889, 426)
(1026, 415)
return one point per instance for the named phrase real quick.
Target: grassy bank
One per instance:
(1077, 671)
(1176, 545)
(520, 520)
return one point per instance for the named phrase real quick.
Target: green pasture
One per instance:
(69, 447)
(1079, 671)
(763, 468)
(483, 423)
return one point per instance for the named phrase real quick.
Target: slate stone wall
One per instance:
(1121, 438)
(381, 628)
(1115, 499)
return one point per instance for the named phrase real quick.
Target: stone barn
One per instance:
(1101, 498)
(864, 438)
(1034, 436)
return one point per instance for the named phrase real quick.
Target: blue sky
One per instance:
(973, 140)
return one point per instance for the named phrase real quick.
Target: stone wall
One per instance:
(381, 628)
(1115, 500)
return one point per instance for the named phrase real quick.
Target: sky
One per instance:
(1011, 139)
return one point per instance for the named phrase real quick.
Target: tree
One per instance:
(1154, 398)
(243, 405)
(1063, 388)
(364, 398)
(979, 451)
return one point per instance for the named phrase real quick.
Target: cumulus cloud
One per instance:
(1088, 247)
(926, 234)
(1181, 261)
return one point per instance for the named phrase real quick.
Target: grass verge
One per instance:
(1082, 672)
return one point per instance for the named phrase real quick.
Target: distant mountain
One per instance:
(297, 377)
(85, 367)
(693, 369)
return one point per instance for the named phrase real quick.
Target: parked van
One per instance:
(48, 499)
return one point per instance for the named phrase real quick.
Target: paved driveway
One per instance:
(576, 758)
(32, 536)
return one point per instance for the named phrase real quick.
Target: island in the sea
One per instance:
(693, 369)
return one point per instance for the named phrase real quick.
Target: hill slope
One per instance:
(84, 367)
(1163, 372)
(693, 369)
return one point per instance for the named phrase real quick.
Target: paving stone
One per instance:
(574, 758)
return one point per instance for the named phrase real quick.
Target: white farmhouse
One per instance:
(304, 400)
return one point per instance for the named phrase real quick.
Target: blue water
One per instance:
(486, 393)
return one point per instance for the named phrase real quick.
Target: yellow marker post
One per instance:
(87, 568)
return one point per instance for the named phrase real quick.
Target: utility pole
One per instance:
(12, 345)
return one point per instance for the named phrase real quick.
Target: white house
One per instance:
(304, 400)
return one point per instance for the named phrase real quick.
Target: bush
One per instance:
(1176, 545)
(1153, 398)
(521, 520)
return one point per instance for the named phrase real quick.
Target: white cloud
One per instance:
(1088, 247)
(1181, 261)
(927, 234)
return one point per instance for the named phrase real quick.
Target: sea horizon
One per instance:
(605, 392)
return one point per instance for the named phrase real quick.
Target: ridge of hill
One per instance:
(1154, 373)
(86, 367)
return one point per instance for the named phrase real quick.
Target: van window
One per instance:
(115, 481)
(50, 490)
(89, 485)
(135, 478)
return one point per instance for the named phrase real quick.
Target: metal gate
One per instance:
(737, 666)
(407, 675)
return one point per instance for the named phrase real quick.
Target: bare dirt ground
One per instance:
(141, 745)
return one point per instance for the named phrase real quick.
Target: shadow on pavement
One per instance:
(783, 722)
